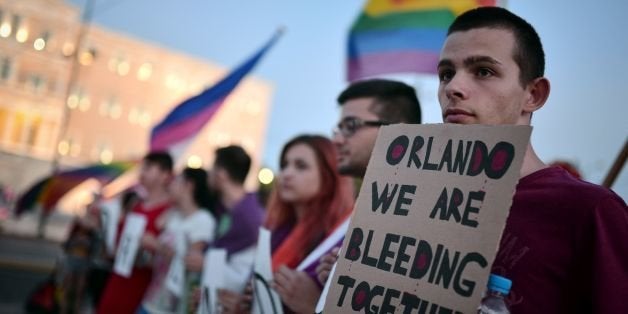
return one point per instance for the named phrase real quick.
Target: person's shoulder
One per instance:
(556, 179)
(250, 202)
(203, 215)
(587, 191)
(249, 211)
(561, 187)
(172, 218)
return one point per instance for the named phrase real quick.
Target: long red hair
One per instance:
(328, 208)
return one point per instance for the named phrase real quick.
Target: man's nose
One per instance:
(337, 138)
(285, 176)
(457, 87)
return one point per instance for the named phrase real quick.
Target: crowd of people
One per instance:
(564, 245)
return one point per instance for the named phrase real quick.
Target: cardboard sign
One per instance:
(175, 279)
(265, 299)
(320, 304)
(213, 279)
(129, 244)
(428, 220)
(109, 216)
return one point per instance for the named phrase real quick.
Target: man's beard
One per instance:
(351, 170)
(215, 193)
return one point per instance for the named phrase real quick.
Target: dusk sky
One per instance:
(584, 121)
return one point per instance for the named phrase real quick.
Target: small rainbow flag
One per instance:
(402, 36)
(186, 120)
(48, 191)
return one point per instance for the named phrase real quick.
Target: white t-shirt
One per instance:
(199, 226)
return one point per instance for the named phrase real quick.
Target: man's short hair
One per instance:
(163, 160)
(235, 161)
(528, 51)
(395, 102)
(128, 197)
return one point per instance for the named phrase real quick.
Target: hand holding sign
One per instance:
(296, 289)
(194, 260)
(235, 303)
(110, 215)
(326, 264)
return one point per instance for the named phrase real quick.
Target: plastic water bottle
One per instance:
(493, 302)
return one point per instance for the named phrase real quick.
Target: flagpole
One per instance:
(618, 165)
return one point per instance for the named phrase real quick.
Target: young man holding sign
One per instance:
(366, 105)
(123, 293)
(564, 245)
(239, 216)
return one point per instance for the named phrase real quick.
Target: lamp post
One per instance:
(65, 116)
(72, 79)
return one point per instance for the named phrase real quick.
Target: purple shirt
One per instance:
(565, 247)
(279, 235)
(238, 227)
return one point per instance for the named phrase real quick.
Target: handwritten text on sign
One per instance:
(428, 219)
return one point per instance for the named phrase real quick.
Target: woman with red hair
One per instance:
(309, 201)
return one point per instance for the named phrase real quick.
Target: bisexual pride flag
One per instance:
(186, 120)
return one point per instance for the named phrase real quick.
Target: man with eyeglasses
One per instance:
(365, 106)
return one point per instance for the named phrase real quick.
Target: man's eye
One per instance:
(445, 75)
(485, 72)
(351, 125)
(301, 165)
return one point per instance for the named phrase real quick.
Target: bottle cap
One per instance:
(499, 284)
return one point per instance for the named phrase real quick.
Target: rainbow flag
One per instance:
(402, 36)
(186, 120)
(48, 191)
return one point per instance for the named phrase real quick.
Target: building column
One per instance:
(8, 127)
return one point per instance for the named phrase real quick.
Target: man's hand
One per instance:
(235, 303)
(326, 263)
(166, 250)
(150, 242)
(194, 299)
(297, 290)
(194, 260)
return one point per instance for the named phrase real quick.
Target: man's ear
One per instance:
(220, 174)
(168, 177)
(538, 92)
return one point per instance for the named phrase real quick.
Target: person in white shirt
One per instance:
(189, 228)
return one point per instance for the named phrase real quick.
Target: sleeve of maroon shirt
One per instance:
(610, 257)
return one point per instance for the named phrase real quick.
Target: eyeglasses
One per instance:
(349, 126)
